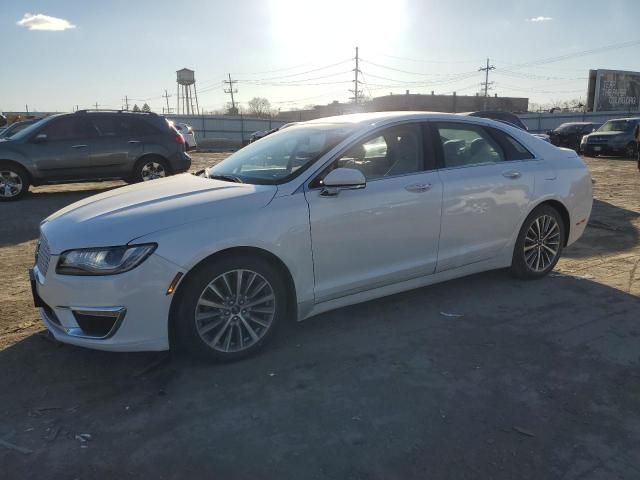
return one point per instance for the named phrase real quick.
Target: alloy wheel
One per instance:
(542, 243)
(10, 184)
(235, 311)
(151, 171)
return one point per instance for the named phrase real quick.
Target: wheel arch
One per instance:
(247, 251)
(148, 155)
(19, 165)
(564, 215)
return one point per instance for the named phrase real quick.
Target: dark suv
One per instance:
(615, 137)
(90, 146)
(569, 135)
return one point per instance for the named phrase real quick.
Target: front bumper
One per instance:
(134, 304)
(601, 149)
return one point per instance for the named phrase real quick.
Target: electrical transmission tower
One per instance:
(486, 84)
(357, 93)
(231, 90)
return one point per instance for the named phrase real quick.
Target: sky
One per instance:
(58, 55)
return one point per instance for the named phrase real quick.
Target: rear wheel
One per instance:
(229, 308)
(14, 182)
(150, 168)
(539, 244)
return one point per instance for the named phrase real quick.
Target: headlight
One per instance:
(103, 261)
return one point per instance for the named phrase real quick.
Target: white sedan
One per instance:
(318, 216)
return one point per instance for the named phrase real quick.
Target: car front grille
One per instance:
(43, 255)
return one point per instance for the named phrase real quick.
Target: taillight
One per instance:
(179, 139)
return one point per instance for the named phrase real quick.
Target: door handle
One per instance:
(79, 146)
(512, 174)
(134, 141)
(418, 187)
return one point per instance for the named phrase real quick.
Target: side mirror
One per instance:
(342, 179)
(40, 138)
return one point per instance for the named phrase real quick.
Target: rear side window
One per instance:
(465, 144)
(104, 126)
(129, 126)
(513, 149)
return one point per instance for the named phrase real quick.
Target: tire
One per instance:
(14, 182)
(212, 325)
(536, 261)
(149, 168)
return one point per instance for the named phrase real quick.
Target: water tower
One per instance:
(185, 80)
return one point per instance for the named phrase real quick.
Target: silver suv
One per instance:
(90, 146)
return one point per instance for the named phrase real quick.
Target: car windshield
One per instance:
(26, 132)
(615, 126)
(282, 155)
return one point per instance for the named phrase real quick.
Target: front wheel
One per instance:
(229, 308)
(539, 244)
(14, 182)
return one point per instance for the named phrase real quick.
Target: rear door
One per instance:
(488, 181)
(113, 150)
(65, 152)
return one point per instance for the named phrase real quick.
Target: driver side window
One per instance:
(389, 153)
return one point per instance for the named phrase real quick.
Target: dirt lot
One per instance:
(537, 380)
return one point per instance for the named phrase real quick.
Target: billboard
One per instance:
(613, 90)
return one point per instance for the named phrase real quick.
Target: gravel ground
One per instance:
(535, 380)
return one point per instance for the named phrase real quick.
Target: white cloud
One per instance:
(39, 21)
(539, 19)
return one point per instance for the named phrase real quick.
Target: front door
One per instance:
(488, 181)
(388, 231)
(64, 152)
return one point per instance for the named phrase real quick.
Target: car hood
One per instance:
(606, 134)
(121, 215)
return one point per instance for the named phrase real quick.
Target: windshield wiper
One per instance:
(226, 177)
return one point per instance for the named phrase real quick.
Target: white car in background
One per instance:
(317, 216)
(187, 133)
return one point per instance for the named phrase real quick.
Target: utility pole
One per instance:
(96, 105)
(126, 102)
(486, 83)
(356, 91)
(166, 97)
(231, 91)
(26, 107)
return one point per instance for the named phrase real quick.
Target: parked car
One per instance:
(17, 127)
(3, 121)
(188, 134)
(615, 137)
(318, 216)
(90, 146)
(569, 135)
(255, 136)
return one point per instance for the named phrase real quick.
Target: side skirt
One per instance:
(308, 309)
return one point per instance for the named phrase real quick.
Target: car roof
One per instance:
(379, 117)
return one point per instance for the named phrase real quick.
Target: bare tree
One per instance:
(259, 106)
